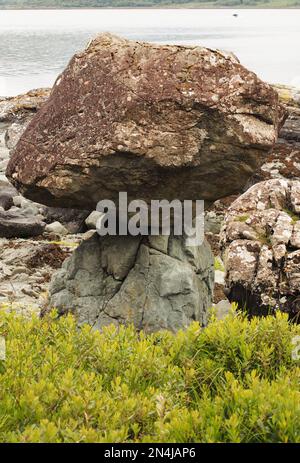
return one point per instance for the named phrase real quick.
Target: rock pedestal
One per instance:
(154, 283)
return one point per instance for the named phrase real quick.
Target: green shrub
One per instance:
(234, 381)
(219, 265)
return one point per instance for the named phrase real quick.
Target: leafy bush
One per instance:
(234, 381)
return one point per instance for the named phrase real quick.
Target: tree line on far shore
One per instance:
(144, 3)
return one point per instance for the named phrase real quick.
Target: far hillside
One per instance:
(27, 4)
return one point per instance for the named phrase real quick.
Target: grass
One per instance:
(235, 381)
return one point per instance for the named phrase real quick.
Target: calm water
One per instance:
(36, 45)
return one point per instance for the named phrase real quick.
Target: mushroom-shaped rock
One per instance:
(260, 240)
(155, 121)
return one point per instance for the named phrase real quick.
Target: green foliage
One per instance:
(234, 381)
(219, 265)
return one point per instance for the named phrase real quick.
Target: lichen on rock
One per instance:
(262, 253)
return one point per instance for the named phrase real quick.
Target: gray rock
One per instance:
(3, 165)
(220, 277)
(7, 192)
(56, 227)
(17, 225)
(31, 210)
(4, 153)
(132, 280)
(17, 200)
(88, 234)
(213, 222)
(72, 219)
(15, 131)
(92, 219)
(222, 309)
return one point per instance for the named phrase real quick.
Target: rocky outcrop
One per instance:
(261, 247)
(26, 267)
(282, 162)
(155, 283)
(155, 121)
(284, 159)
(19, 108)
(290, 97)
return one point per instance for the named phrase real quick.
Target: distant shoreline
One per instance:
(166, 7)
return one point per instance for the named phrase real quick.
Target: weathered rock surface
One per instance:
(72, 219)
(155, 121)
(290, 97)
(7, 193)
(154, 283)
(22, 106)
(26, 267)
(16, 114)
(261, 247)
(291, 128)
(15, 224)
(92, 220)
(15, 131)
(57, 228)
(282, 162)
(284, 159)
(4, 155)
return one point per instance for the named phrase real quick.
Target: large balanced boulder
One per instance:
(155, 121)
(154, 283)
(260, 240)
